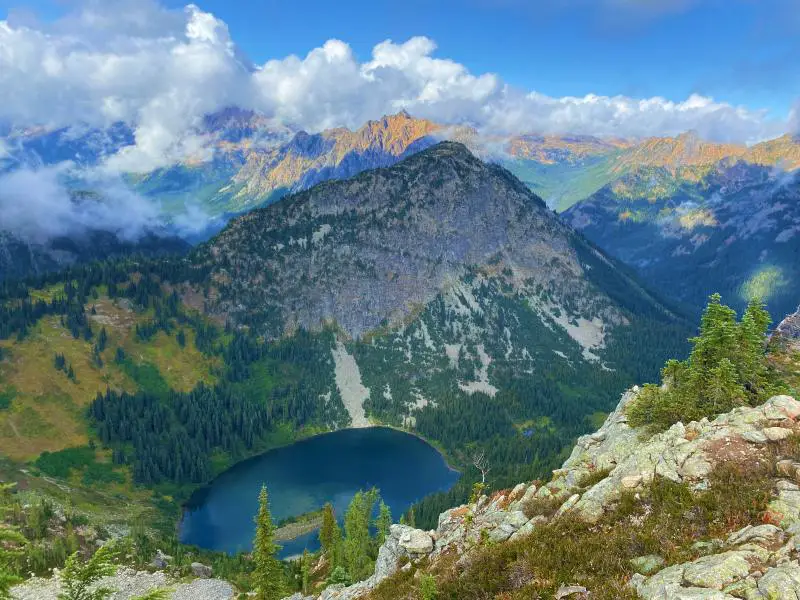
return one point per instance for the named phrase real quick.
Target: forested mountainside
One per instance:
(463, 308)
(688, 488)
(20, 258)
(737, 231)
(376, 299)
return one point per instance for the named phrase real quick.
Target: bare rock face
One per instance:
(365, 251)
(789, 329)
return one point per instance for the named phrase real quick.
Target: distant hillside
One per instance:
(567, 169)
(20, 258)
(735, 232)
(463, 308)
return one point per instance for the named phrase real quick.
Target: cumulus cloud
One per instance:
(162, 70)
(36, 206)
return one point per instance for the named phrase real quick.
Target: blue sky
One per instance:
(741, 53)
(729, 50)
(744, 52)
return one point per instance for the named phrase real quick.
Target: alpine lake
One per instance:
(305, 475)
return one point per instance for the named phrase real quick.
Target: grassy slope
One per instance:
(46, 412)
(563, 184)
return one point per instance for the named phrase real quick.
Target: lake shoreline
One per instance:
(447, 459)
(378, 448)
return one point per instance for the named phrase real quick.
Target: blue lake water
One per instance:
(304, 476)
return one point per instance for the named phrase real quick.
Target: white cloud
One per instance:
(35, 205)
(161, 71)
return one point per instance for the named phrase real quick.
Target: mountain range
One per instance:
(443, 277)
(664, 206)
(439, 294)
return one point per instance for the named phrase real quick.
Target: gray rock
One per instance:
(777, 434)
(762, 534)
(571, 591)
(413, 541)
(718, 570)
(647, 565)
(201, 570)
(571, 502)
(781, 582)
(161, 560)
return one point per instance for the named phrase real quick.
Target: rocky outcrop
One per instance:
(789, 329)
(756, 562)
(403, 542)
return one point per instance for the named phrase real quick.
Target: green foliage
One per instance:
(268, 575)
(77, 576)
(727, 367)
(357, 541)
(170, 436)
(477, 490)
(6, 396)
(383, 522)
(59, 464)
(338, 576)
(427, 587)
(330, 536)
(305, 571)
(12, 544)
(162, 594)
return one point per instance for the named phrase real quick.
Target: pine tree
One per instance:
(102, 340)
(356, 538)
(268, 574)
(77, 577)
(723, 390)
(330, 536)
(383, 522)
(751, 368)
(411, 520)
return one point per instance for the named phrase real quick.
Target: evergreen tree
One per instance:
(77, 577)
(727, 367)
(330, 536)
(268, 573)
(411, 519)
(723, 387)
(338, 576)
(356, 538)
(102, 340)
(383, 522)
